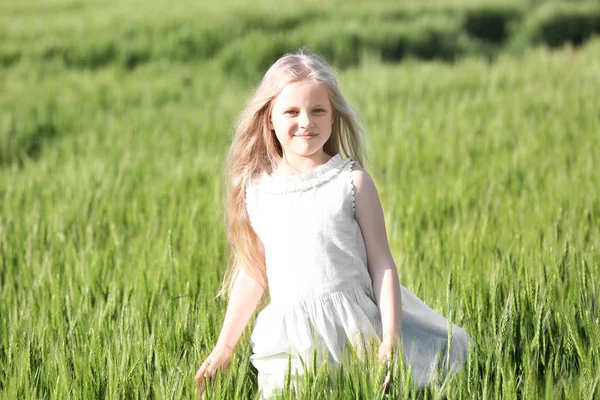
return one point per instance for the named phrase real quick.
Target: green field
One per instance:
(115, 118)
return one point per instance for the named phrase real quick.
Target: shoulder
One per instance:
(367, 205)
(362, 181)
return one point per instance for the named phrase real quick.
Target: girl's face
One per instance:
(302, 118)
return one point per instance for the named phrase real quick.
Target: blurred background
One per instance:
(483, 136)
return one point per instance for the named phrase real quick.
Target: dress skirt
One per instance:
(286, 336)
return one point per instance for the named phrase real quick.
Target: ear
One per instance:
(269, 120)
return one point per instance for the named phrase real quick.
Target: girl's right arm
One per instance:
(246, 294)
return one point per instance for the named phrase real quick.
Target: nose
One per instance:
(304, 120)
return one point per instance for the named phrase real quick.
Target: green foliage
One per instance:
(492, 22)
(427, 37)
(555, 24)
(245, 39)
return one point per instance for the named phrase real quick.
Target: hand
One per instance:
(218, 359)
(387, 347)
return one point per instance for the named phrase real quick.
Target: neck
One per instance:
(294, 165)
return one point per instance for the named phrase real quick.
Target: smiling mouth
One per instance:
(306, 135)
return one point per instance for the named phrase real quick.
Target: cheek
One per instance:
(327, 123)
(283, 125)
(281, 131)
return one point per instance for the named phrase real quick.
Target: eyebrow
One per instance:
(312, 106)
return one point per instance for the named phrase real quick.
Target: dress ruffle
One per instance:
(288, 333)
(285, 335)
(275, 184)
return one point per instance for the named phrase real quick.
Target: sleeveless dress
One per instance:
(320, 289)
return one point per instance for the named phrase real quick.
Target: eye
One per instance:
(319, 110)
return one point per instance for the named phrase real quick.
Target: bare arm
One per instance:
(245, 296)
(244, 299)
(382, 268)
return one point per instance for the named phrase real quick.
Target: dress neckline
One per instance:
(306, 180)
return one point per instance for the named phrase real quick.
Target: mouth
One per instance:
(305, 135)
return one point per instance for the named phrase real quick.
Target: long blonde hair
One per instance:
(255, 149)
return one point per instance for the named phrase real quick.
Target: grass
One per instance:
(94, 35)
(111, 229)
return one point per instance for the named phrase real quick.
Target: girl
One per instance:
(305, 221)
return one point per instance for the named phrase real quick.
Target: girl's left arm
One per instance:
(369, 214)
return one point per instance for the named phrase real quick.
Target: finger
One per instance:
(200, 388)
(210, 371)
(388, 376)
(200, 382)
(200, 374)
(386, 382)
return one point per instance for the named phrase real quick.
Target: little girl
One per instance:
(305, 221)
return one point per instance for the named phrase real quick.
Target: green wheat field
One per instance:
(483, 136)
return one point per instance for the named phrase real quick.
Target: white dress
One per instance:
(320, 289)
